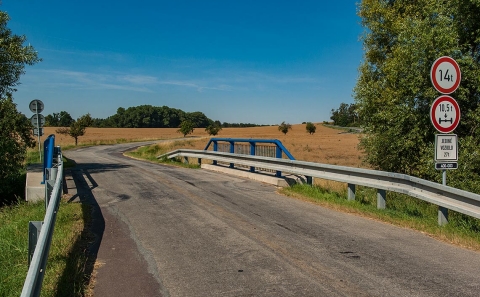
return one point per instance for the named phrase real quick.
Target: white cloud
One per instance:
(139, 79)
(214, 80)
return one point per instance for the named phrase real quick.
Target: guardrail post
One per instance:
(309, 180)
(442, 216)
(351, 192)
(278, 154)
(232, 151)
(252, 152)
(215, 149)
(34, 228)
(381, 199)
(185, 160)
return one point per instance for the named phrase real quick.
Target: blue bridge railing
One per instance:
(229, 145)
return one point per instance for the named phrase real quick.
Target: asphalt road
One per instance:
(167, 231)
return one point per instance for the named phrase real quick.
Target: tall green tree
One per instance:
(14, 55)
(77, 128)
(15, 138)
(402, 39)
(15, 129)
(61, 119)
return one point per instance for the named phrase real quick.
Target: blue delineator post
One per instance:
(48, 149)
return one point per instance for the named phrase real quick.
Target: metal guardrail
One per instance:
(444, 196)
(42, 232)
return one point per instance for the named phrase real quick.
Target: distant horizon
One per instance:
(30, 114)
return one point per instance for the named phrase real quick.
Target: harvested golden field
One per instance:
(327, 145)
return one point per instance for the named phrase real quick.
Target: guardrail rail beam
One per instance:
(444, 196)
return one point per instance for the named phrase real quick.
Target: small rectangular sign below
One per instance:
(442, 166)
(446, 148)
(36, 130)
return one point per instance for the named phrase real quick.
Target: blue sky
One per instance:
(258, 61)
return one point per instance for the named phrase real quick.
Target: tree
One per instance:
(148, 116)
(345, 115)
(394, 93)
(198, 119)
(186, 127)
(311, 128)
(13, 57)
(284, 127)
(15, 129)
(15, 138)
(77, 128)
(213, 129)
(62, 119)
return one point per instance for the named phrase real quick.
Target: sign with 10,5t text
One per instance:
(445, 114)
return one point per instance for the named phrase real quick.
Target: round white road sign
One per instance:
(37, 119)
(445, 75)
(445, 114)
(36, 106)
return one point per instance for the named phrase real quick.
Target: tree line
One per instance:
(144, 116)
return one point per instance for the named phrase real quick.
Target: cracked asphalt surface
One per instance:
(167, 231)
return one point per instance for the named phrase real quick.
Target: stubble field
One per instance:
(327, 145)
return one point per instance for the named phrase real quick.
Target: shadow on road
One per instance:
(81, 260)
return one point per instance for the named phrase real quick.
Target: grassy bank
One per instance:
(401, 210)
(66, 261)
(67, 258)
(150, 153)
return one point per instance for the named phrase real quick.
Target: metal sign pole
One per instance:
(442, 211)
(38, 131)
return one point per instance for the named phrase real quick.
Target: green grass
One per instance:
(105, 142)
(66, 261)
(150, 153)
(33, 157)
(401, 210)
(66, 273)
